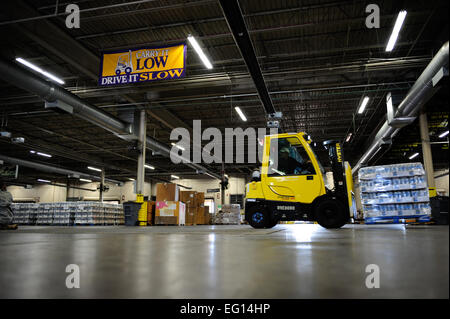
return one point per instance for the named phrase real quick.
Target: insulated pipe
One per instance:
(52, 169)
(417, 96)
(153, 144)
(51, 92)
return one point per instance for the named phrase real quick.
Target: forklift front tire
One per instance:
(331, 213)
(257, 217)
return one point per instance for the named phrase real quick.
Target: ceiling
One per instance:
(318, 60)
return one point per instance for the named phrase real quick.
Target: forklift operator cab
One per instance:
(292, 185)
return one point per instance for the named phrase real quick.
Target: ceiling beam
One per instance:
(236, 24)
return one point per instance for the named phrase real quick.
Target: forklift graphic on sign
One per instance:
(124, 63)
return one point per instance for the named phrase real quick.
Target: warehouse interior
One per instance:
(74, 140)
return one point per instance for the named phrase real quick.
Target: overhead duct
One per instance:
(53, 93)
(422, 90)
(53, 169)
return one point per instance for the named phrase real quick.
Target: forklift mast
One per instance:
(336, 157)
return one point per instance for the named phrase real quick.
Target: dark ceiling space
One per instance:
(317, 58)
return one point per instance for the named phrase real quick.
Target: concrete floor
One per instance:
(288, 261)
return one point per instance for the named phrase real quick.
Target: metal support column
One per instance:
(427, 156)
(67, 189)
(102, 184)
(222, 186)
(140, 180)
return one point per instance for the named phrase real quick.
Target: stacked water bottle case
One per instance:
(68, 213)
(25, 213)
(393, 193)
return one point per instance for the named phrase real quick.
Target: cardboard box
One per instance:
(189, 198)
(166, 220)
(170, 213)
(200, 216)
(206, 215)
(167, 192)
(151, 207)
(191, 213)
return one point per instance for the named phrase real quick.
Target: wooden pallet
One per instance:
(397, 220)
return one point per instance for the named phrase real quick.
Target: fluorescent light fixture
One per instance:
(148, 166)
(32, 152)
(85, 180)
(178, 146)
(239, 111)
(43, 180)
(394, 35)
(199, 51)
(38, 69)
(131, 179)
(174, 176)
(413, 156)
(349, 136)
(443, 134)
(363, 105)
(94, 169)
(43, 154)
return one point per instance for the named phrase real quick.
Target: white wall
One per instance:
(442, 182)
(39, 193)
(48, 193)
(236, 186)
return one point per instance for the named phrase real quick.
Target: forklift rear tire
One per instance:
(271, 223)
(257, 217)
(331, 213)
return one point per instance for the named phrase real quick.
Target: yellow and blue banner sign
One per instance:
(142, 65)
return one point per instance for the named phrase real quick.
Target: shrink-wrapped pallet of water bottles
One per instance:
(396, 193)
(68, 213)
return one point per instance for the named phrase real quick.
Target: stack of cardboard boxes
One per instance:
(195, 207)
(173, 207)
(189, 198)
(169, 209)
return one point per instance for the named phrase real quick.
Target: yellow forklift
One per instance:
(292, 184)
